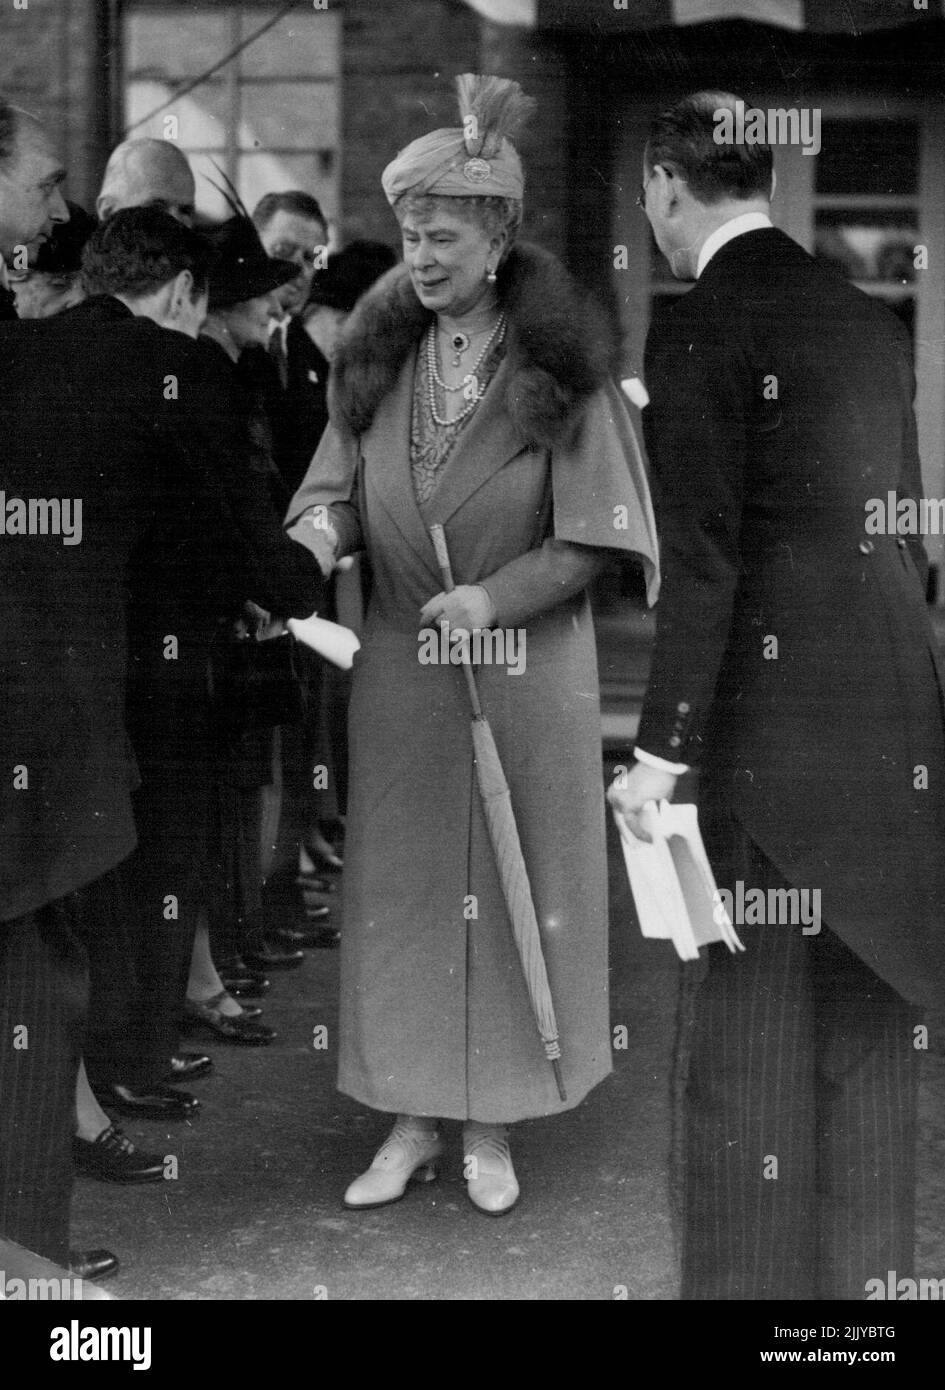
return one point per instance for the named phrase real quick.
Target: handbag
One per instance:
(258, 685)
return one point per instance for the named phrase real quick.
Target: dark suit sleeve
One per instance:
(700, 384)
(266, 565)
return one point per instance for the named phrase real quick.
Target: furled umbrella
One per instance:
(503, 832)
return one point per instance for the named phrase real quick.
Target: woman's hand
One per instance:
(467, 606)
(322, 541)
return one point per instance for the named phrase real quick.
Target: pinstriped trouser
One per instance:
(801, 1055)
(44, 991)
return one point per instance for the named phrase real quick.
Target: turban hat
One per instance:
(476, 159)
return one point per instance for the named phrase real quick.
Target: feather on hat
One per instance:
(478, 159)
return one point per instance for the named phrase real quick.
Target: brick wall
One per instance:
(398, 61)
(399, 58)
(48, 58)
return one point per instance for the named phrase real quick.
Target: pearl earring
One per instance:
(491, 277)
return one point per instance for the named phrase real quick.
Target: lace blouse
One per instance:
(430, 443)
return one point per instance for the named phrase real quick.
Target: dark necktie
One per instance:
(278, 354)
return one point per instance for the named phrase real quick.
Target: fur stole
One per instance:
(561, 347)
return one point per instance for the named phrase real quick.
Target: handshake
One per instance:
(322, 540)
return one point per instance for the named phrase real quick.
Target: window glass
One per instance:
(868, 157)
(868, 244)
(295, 47)
(289, 115)
(268, 116)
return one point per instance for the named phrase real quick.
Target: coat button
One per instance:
(866, 547)
(675, 741)
(683, 708)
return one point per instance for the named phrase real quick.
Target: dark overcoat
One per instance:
(794, 657)
(77, 419)
(435, 1018)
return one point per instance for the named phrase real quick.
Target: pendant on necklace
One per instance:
(459, 342)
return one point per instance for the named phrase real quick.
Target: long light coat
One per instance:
(435, 1017)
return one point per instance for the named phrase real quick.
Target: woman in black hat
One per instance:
(243, 280)
(242, 303)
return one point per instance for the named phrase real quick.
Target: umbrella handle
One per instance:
(438, 536)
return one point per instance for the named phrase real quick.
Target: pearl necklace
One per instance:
(469, 380)
(499, 325)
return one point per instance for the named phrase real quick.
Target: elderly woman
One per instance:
(471, 388)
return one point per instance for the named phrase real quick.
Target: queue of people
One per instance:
(148, 881)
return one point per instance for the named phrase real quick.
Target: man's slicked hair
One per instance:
(137, 250)
(292, 200)
(683, 140)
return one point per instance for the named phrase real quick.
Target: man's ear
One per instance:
(181, 293)
(665, 190)
(103, 207)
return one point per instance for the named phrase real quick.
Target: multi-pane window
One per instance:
(269, 117)
(866, 207)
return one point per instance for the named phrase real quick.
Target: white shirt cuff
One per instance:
(651, 760)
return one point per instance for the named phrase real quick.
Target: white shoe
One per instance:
(487, 1163)
(408, 1154)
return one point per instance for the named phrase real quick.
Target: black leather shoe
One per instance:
(266, 955)
(113, 1158)
(322, 853)
(92, 1264)
(187, 1066)
(159, 1102)
(246, 986)
(238, 1028)
(314, 883)
(303, 936)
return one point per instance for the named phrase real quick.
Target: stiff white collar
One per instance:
(747, 222)
(280, 326)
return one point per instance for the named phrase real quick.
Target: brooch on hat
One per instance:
(477, 170)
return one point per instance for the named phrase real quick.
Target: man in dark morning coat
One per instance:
(60, 831)
(795, 662)
(80, 446)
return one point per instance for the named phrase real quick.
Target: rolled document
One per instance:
(335, 643)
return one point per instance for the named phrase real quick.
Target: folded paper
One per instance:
(673, 887)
